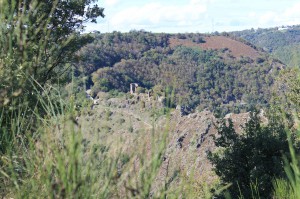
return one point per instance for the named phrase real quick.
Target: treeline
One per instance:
(211, 79)
(282, 42)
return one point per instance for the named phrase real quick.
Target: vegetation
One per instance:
(38, 42)
(251, 159)
(53, 144)
(200, 78)
(264, 157)
(281, 42)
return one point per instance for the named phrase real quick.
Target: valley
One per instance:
(142, 114)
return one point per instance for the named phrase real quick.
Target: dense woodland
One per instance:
(56, 142)
(212, 79)
(282, 42)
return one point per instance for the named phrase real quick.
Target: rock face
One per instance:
(127, 124)
(190, 138)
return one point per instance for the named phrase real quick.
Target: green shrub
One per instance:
(108, 113)
(140, 90)
(130, 129)
(251, 158)
(121, 121)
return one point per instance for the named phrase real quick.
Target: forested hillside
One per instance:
(282, 42)
(201, 71)
(60, 139)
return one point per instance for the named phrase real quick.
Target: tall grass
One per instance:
(289, 187)
(42, 150)
(43, 153)
(55, 161)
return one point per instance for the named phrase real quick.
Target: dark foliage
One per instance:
(201, 78)
(251, 158)
(38, 41)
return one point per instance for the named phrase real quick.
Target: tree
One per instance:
(253, 157)
(38, 41)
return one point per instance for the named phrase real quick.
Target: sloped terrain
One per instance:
(127, 128)
(236, 48)
(214, 72)
(282, 42)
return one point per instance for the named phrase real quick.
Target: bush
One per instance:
(253, 157)
(121, 121)
(140, 90)
(130, 129)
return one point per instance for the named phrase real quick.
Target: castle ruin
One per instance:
(133, 87)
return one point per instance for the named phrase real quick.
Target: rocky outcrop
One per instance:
(190, 138)
(128, 125)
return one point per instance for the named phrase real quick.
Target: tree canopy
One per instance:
(38, 41)
(251, 159)
(201, 78)
(281, 42)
